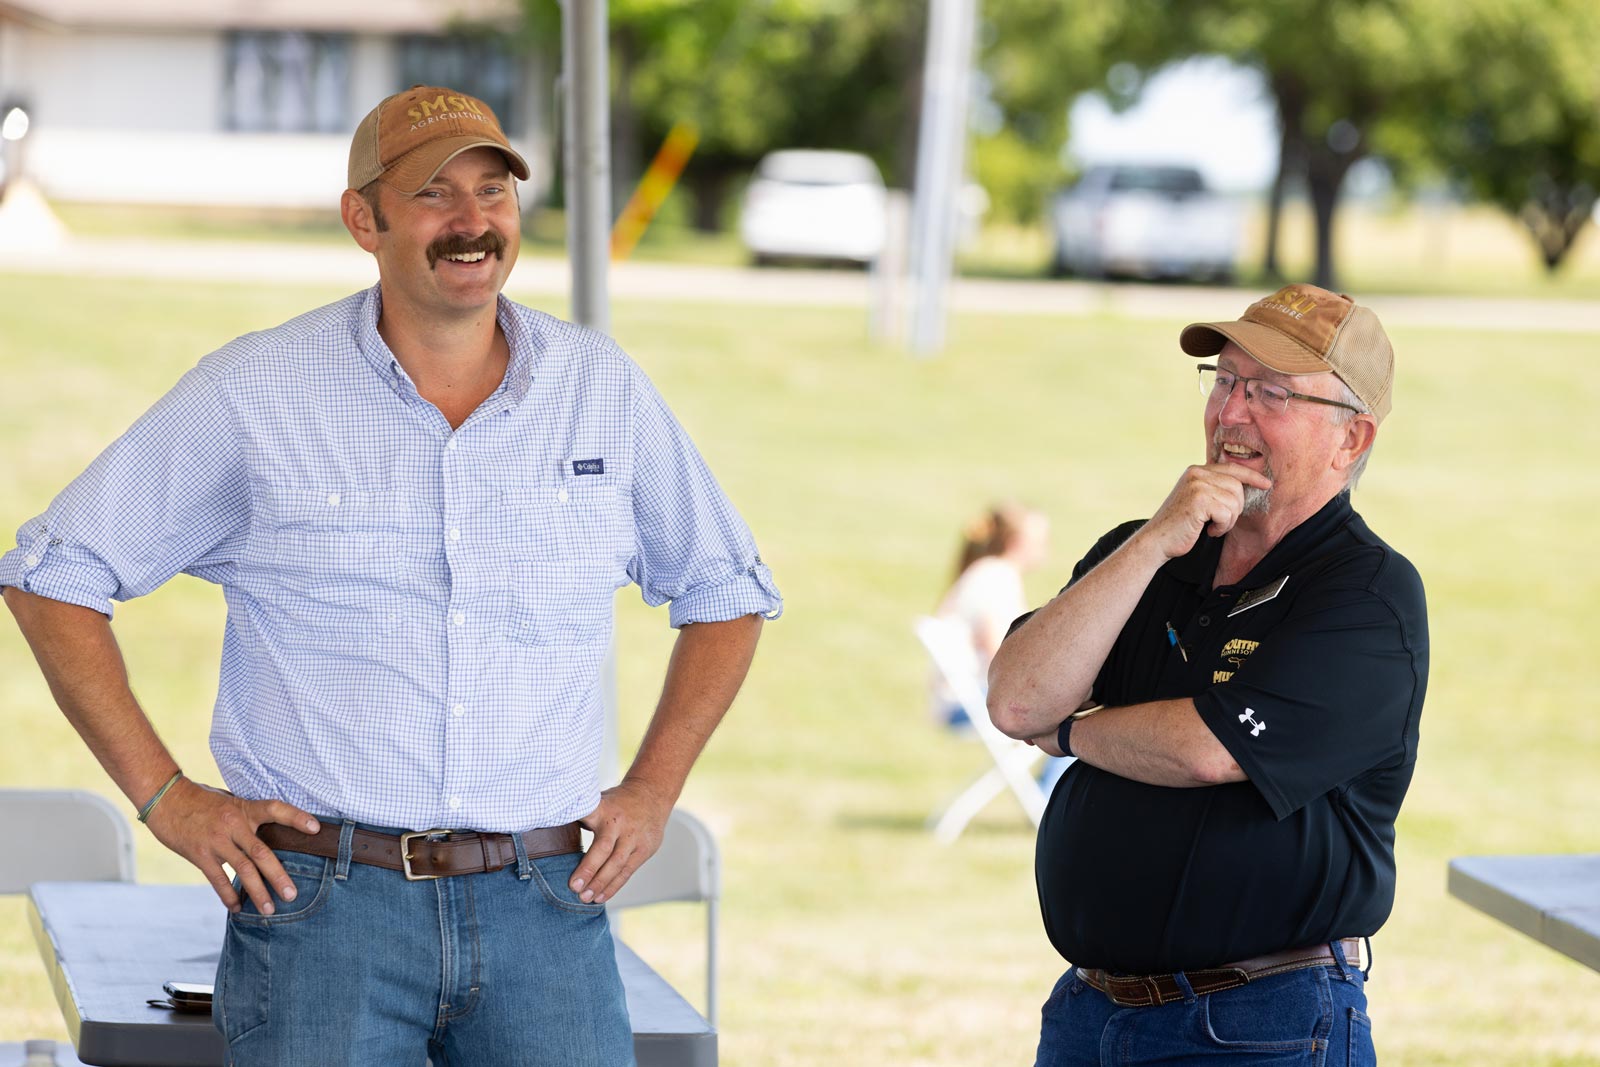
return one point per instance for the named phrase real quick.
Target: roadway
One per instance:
(544, 279)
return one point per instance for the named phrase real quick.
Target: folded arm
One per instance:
(1046, 669)
(1164, 742)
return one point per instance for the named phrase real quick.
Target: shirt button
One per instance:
(455, 534)
(562, 496)
(459, 710)
(451, 444)
(333, 500)
(1204, 620)
(459, 618)
(455, 802)
(32, 561)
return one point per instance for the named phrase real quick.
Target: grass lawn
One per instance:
(849, 936)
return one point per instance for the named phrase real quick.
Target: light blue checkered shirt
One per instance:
(416, 616)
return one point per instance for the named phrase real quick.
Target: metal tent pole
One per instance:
(587, 141)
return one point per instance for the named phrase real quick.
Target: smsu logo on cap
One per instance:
(1291, 301)
(442, 106)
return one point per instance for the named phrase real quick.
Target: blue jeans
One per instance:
(1314, 1017)
(365, 967)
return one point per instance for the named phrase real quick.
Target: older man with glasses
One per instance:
(1240, 678)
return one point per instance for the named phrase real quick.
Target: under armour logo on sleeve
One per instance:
(1255, 727)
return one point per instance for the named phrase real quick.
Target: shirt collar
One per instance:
(1199, 564)
(519, 367)
(524, 352)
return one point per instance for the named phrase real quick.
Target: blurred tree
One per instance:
(1503, 94)
(1337, 70)
(1034, 58)
(756, 75)
(1519, 123)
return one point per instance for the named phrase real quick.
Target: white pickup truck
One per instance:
(1144, 221)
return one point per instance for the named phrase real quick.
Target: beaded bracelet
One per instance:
(144, 812)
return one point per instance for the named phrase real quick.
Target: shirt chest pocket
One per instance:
(581, 519)
(566, 545)
(326, 541)
(336, 565)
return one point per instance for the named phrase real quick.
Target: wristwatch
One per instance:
(1064, 731)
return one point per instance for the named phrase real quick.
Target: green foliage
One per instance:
(1524, 113)
(757, 76)
(1035, 56)
(1018, 177)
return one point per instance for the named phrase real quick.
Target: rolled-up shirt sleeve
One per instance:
(169, 496)
(691, 547)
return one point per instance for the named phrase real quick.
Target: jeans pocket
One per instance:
(552, 873)
(244, 973)
(244, 981)
(1360, 1052)
(313, 879)
(1287, 1018)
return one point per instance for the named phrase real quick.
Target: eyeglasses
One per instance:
(1217, 385)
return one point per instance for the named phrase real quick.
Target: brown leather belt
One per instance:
(1153, 990)
(427, 853)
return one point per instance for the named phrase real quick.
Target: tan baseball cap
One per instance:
(410, 135)
(1301, 329)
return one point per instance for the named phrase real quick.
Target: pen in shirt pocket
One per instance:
(1172, 639)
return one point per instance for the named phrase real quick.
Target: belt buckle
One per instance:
(405, 854)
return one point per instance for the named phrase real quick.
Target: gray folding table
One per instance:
(1552, 899)
(109, 946)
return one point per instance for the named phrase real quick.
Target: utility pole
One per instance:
(941, 162)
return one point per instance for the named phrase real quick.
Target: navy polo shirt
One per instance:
(1311, 672)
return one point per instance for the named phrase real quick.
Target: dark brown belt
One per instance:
(1153, 990)
(427, 853)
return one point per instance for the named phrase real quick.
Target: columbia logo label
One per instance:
(588, 466)
(1250, 717)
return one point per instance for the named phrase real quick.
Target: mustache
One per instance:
(1224, 436)
(456, 244)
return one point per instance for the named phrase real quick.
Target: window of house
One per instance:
(482, 67)
(287, 82)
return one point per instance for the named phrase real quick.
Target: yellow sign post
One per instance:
(653, 189)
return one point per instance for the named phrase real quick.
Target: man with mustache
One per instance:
(419, 502)
(1240, 678)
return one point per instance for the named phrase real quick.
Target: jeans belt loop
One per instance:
(524, 864)
(347, 834)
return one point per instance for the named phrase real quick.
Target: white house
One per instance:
(243, 102)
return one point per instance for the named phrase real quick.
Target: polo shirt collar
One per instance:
(1196, 566)
(1199, 564)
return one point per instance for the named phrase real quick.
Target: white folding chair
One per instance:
(687, 866)
(60, 835)
(1014, 761)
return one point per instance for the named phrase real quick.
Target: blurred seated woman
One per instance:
(997, 548)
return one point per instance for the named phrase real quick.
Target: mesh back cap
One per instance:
(408, 137)
(1302, 329)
